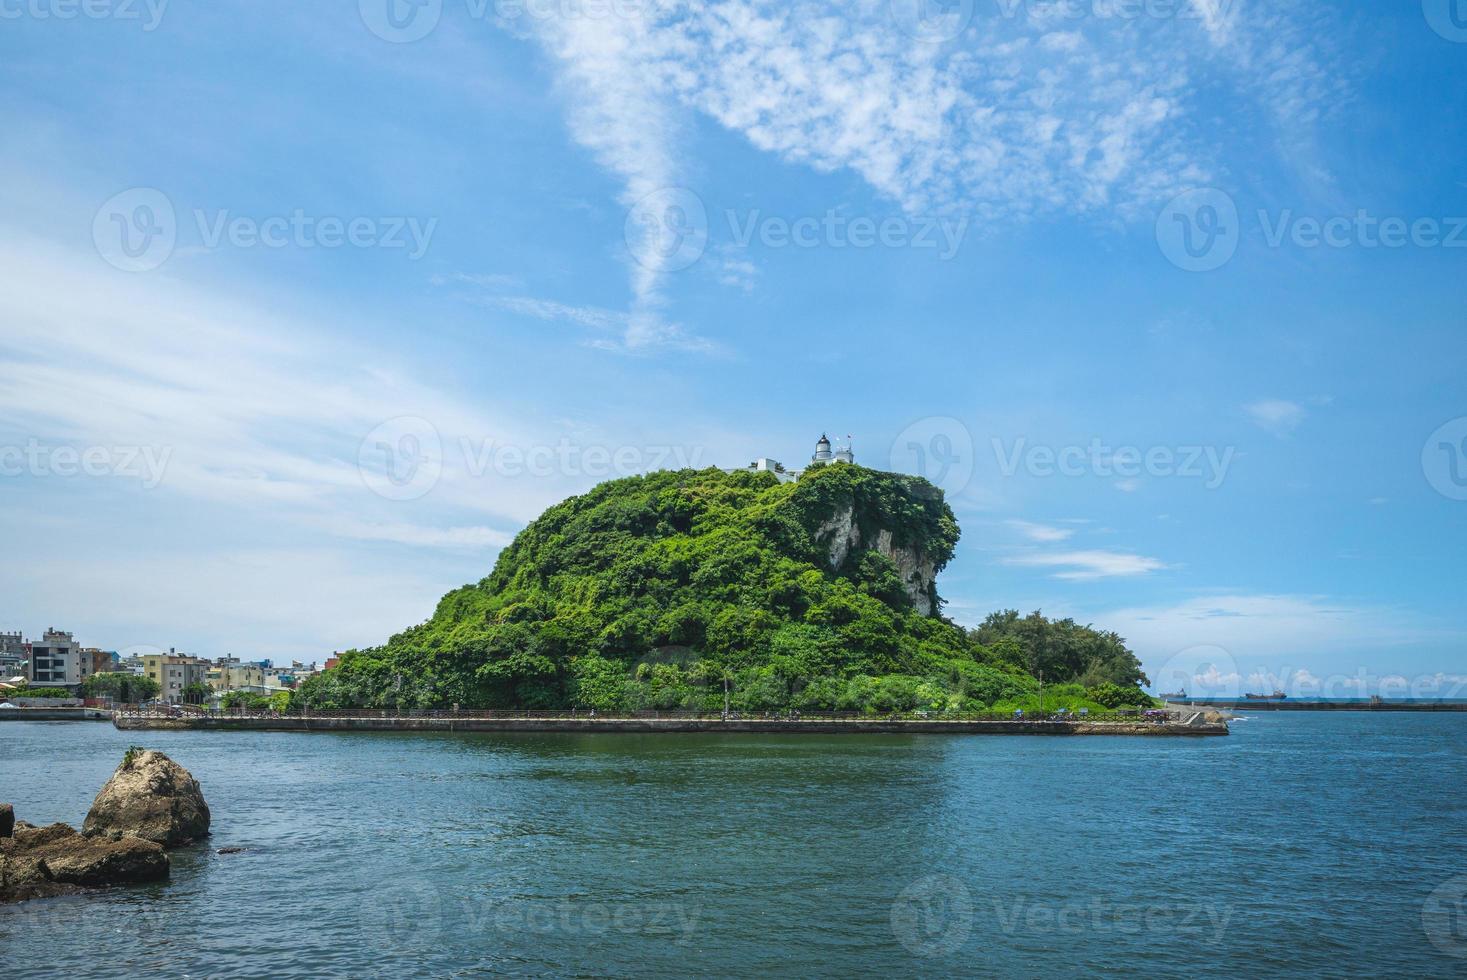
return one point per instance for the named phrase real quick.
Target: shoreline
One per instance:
(1195, 726)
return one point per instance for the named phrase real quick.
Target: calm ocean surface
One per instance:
(1328, 844)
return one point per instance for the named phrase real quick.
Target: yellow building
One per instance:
(174, 673)
(224, 677)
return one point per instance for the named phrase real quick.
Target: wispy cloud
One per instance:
(1079, 566)
(624, 332)
(1022, 115)
(1015, 117)
(617, 109)
(254, 411)
(1041, 532)
(1276, 415)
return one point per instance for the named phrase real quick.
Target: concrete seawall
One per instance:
(54, 714)
(872, 726)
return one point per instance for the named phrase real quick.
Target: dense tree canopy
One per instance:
(659, 590)
(120, 686)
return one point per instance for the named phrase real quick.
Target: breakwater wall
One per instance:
(54, 714)
(1193, 726)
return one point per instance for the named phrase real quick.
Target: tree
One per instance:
(196, 693)
(121, 686)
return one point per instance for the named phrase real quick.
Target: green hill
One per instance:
(655, 591)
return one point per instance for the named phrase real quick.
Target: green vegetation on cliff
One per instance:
(658, 591)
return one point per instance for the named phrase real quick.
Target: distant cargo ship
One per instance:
(1275, 696)
(1180, 696)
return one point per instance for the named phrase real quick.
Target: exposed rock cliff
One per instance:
(841, 537)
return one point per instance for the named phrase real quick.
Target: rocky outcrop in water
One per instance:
(36, 862)
(151, 802)
(152, 797)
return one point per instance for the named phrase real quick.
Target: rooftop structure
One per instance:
(824, 455)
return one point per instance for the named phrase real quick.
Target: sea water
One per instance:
(1329, 844)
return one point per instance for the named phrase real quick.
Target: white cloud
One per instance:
(628, 332)
(255, 412)
(735, 270)
(1276, 415)
(1267, 625)
(1041, 532)
(1087, 565)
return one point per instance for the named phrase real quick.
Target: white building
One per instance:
(57, 661)
(824, 455)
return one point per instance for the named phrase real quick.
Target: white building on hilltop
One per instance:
(823, 456)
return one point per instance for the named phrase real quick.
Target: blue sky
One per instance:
(257, 255)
